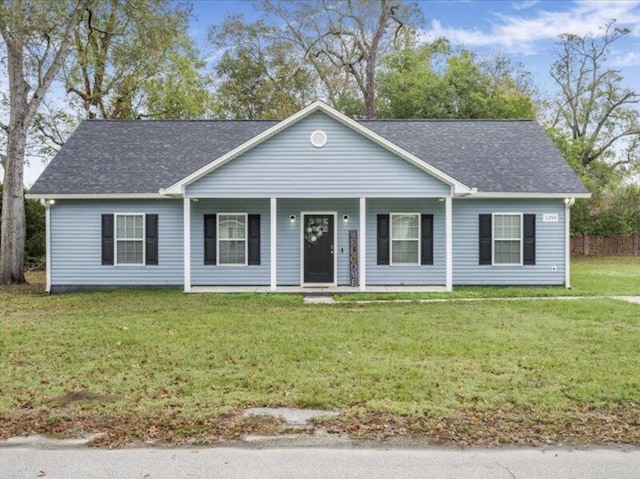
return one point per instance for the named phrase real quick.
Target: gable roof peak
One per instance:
(178, 188)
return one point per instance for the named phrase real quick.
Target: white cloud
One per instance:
(520, 33)
(630, 59)
(523, 5)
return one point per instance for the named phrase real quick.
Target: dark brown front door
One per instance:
(318, 248)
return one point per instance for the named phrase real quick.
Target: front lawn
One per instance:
(614, 275)
(160, 364)
(596, 276)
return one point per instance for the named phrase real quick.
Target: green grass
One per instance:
(183, 361)
(604, 276)
(610, 275)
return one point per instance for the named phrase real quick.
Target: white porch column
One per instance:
(362, 246)
(273, 222)
(448, 213)
(186, 202)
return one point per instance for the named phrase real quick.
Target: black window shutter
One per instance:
(485, 239)
(107, 239)
(383, 239)
(529, 233)
(210, 239)
(151, 239)
(253, 246)
(426, 242)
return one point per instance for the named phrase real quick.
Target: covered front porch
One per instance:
(351, 249)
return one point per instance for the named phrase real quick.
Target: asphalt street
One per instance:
(281, 463)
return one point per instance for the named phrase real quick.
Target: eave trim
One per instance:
(95, 196)
(507, 195)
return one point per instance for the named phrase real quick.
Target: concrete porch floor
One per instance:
(317, 290)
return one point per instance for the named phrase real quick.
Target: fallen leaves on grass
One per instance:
(585, 426)
(515, 427)
(121, 430)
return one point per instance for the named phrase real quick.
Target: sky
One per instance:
(523, 30)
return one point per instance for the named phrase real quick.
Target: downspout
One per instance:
(568, 203)
(47, 221)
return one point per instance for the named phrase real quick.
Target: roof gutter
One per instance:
(516, 195)
(95, 196)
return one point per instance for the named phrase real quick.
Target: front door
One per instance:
(317, 248)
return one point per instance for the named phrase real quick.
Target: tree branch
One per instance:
(45, 82)
(602, 149)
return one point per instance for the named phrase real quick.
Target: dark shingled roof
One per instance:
(506, 156)
(144, 156)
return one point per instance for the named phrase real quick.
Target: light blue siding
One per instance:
(76, 244)
(406, 275)
(208, 275)
(550, 246)
(287, 165)
(288, 240)
(290, 234)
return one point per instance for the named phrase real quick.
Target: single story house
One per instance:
(317, 200)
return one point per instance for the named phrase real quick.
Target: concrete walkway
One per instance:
(330, 300)
(315, 462)
(291, 417)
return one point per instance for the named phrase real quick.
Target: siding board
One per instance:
(550, 246)
(76, 247)
(208, 275)
(432, 275)
(289, 166)
(76, 243)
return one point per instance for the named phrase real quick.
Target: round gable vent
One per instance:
(318, 138)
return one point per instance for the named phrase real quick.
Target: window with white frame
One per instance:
(232, 239)
(507, 239)
(405, 238)
(129, 242)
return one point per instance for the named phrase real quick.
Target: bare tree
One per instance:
(346, 37)
(37, 36)
(600, 115)
(340, 42)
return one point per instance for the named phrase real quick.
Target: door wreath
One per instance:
(315, 229)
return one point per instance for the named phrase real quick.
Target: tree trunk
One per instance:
(13, 218)
(370, 91)
(17, 31)
(13, 228)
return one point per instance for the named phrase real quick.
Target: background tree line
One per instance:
(125, 59)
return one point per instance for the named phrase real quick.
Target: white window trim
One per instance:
(419, 239)
(115, 239)
(493, 239)
(246, 240)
